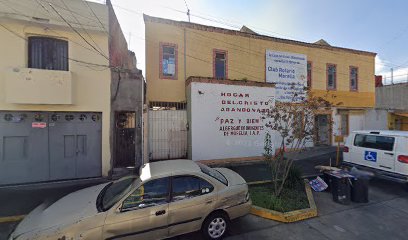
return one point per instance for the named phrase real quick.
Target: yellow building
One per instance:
(177, 50)
(54, 90)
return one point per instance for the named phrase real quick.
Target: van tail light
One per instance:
(403, 158)
(345, 149)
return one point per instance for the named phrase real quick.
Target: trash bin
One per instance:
(327, 178)
(341, 190)
(359, 185)
(359, 190)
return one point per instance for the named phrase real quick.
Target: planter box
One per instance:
(292, 216)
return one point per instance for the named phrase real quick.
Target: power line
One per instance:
(83, 29)
(224, 23)
(47, 26)
(188, 11)
(76, 31)
(71, 59)
(100, 22)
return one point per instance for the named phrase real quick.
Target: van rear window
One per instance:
(374, 142)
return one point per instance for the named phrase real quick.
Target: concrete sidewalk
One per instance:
(384, 217)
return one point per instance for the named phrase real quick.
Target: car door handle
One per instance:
(161, 212)
(388, 153)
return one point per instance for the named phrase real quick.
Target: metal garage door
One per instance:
(44, 146)
(75, 145)
(23, 149)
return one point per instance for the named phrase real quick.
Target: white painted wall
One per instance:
(376, 119)
(356, 121)
(210, 138)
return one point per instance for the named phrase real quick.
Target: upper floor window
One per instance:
(168, 61)
(309, 74)
(220, 66)
(353, 78)
(47, 53)
(331, 77)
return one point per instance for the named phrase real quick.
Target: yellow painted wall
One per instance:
(90, 85)
(246, 59)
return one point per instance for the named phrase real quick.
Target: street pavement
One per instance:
(385, 216)
(306, 161)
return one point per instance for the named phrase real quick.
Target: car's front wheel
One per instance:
(215, 226)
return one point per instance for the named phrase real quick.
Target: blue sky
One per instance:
(377, 26)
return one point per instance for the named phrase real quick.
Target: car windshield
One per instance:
(115, 191)
(213, 173)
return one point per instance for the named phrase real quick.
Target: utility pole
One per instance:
(392, 76)
(188, 11)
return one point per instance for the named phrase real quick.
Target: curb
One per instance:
(288, 217)
(11, 218)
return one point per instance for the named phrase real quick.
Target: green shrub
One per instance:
(294, 178)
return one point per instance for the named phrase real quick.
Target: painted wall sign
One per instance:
(289, 72)
(38, 124)
(226, 120)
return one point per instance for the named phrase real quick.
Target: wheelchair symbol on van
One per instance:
(370, 156)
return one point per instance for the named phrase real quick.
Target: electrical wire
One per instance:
(83, 29)
(76, 31)
(100, 22)
(71, 59)
(216, 21)
(47, 26)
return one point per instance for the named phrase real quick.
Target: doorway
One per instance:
(125, 146)
(323, 130)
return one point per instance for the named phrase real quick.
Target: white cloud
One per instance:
(384, 69)
(379, 65)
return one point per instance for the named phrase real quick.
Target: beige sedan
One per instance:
(168, 199)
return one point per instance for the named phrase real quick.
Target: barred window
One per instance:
(47, 53)
(331, 77)
(353, 78)
(309, 74)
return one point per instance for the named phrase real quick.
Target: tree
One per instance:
(293, 127)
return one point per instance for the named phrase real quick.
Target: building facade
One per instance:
(177, 50)
(393, 101)
(55, 89)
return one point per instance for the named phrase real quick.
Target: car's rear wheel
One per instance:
(215, 226)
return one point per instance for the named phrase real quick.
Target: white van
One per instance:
(383, 152)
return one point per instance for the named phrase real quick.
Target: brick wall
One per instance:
(119, 54)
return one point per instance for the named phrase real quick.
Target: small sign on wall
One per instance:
(289, 73)
(38, 124)
(338, 138)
